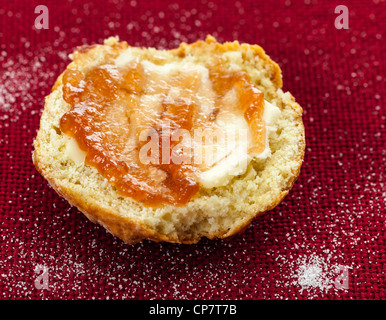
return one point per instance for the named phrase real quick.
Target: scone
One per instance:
(171, 145)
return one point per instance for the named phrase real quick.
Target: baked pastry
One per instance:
(102, 132)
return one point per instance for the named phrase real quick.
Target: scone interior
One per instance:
(217, 210)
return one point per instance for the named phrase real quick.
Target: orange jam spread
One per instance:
(112, 105)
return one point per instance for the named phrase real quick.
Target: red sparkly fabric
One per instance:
(332, 221)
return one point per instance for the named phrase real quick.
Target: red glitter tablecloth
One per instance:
(333, 220)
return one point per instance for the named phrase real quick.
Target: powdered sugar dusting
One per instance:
(24, 77)
(313, 273)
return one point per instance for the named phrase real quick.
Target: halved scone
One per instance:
(112, 101)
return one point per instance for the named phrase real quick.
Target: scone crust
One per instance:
(130, 228)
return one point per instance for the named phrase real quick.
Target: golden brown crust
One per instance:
(126, 229)
(130, 229)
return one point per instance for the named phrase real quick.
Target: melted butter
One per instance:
(74, 152)
(114, 104)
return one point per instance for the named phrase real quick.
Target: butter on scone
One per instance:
(171, 145)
